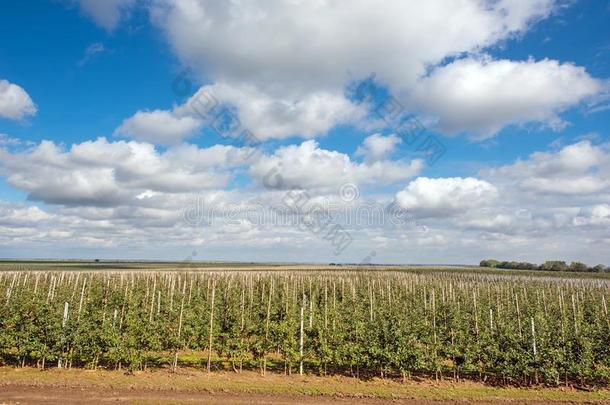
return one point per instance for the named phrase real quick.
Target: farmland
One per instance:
(507, 328)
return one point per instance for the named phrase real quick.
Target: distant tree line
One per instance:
(549, 265)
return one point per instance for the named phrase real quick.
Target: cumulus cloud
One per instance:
(279, 117)
(378, 147)
(293, 83)
(310, 167)
(578, 169)
(488, 222)
(6, 140)
(443, 197)
(106, 13)
(159, 127)
(15, 103)
(20, 215)
(102, 173)
(321, 42)
(481, 95)
(456, 219)
(264, 116)
(597, 215)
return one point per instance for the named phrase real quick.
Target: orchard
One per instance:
(506, 329)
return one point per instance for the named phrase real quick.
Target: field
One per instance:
(478, 333)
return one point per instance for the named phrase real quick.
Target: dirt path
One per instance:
(31, 386)
(60, 395)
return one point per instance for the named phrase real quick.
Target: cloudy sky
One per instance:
(444, 131)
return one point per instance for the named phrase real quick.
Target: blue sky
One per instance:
(521, 80)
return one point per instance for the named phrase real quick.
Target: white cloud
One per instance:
(597, 215)
(292, 84)
(19, 215)
(576, 185)
(378, 147)
(442, 197)
(106, 13)
(6, 140)
(310, 167)
(102, 173)
(482, 96)
(279, 117)
(321, 42)
(493, 222)
(265, 117)
(15, 103)
(457, 219)
(159, 127)
(578, 169)
(92, 50)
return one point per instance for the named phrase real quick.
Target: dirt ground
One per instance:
(61, 395)
(57, 395)
(31, 386)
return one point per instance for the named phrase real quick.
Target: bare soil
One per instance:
(31, 386)
(59, 395)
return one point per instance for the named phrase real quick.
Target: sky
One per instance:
(437, 132)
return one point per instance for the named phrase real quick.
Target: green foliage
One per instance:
(362, 323)
(552, 265)
(578, 266)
